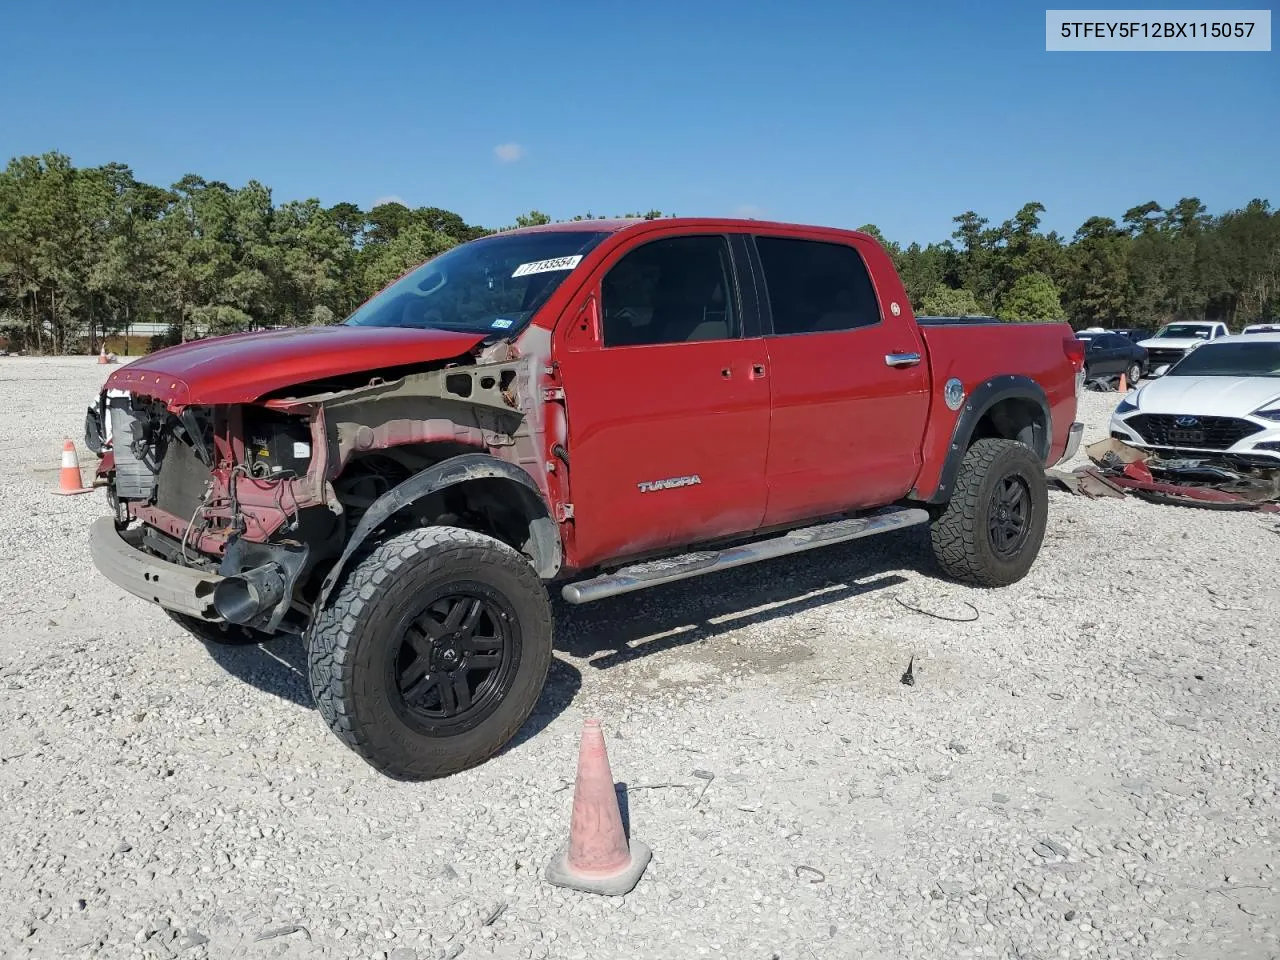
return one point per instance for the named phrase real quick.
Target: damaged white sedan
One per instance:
(1221, 400)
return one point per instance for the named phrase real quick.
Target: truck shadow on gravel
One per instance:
(612, 632)
(615, 631)
(280, 669)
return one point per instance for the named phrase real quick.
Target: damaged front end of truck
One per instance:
(241, 514)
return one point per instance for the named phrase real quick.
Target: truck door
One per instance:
(668, 408)
(849, 382)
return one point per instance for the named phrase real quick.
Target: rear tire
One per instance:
(1134, 374)
(990, 532)
(432, 653)
(221, 633)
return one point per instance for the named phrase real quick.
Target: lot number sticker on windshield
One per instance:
(546, 266)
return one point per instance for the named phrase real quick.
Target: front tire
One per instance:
(432, 653)
(990, 532)
(1134, 373)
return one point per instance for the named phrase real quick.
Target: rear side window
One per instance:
(677, 290)
(816, 287)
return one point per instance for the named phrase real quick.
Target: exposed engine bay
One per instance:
(265, 494)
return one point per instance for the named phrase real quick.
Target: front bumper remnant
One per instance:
(170, 585)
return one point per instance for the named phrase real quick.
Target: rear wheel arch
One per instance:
(1009, 407)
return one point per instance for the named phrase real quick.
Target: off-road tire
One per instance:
(351, 639)
(220, 633)
(961, 542)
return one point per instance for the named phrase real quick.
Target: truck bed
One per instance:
(977, 349)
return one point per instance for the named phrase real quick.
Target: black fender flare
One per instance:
(976, 405)
(544, 533)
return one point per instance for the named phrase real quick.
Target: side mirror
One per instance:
(1160, 371)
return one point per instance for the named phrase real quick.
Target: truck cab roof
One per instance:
(617, 225)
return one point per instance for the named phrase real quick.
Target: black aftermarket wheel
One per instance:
(991, 531)
(432, 652)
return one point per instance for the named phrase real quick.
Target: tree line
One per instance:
(1155, 265)
(91, 251)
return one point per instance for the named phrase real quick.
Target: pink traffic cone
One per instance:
(597, 858)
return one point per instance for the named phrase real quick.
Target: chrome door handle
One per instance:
(901, 359)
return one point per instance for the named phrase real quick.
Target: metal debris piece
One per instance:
(708, 776)
(1049, 849)
(275, 932)
(1026, 891)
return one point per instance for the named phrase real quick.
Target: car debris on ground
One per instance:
(1207, 482)
(1108, 384)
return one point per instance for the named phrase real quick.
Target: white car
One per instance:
(1173, 341)
(1262, 328)
(1222, 399)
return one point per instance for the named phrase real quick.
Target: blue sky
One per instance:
(836, 113)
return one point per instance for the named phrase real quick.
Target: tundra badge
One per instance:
(650, 486)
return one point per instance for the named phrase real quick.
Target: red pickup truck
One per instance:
(602, 405)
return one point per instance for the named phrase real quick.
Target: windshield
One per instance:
(492, 285)
(1230, 360)
(1185, 331)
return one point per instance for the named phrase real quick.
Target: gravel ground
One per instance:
(1089, 768)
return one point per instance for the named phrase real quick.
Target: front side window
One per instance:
(816, 287)
(676, 290)
(493, 285)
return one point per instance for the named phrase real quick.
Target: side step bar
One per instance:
(666, 570)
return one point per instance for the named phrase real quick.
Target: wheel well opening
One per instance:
(503, 508)
(1016, 418)
(500, 506)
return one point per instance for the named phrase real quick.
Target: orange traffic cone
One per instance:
(69, 480)
(102, 355)
(597, 858)
(1124, 383)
